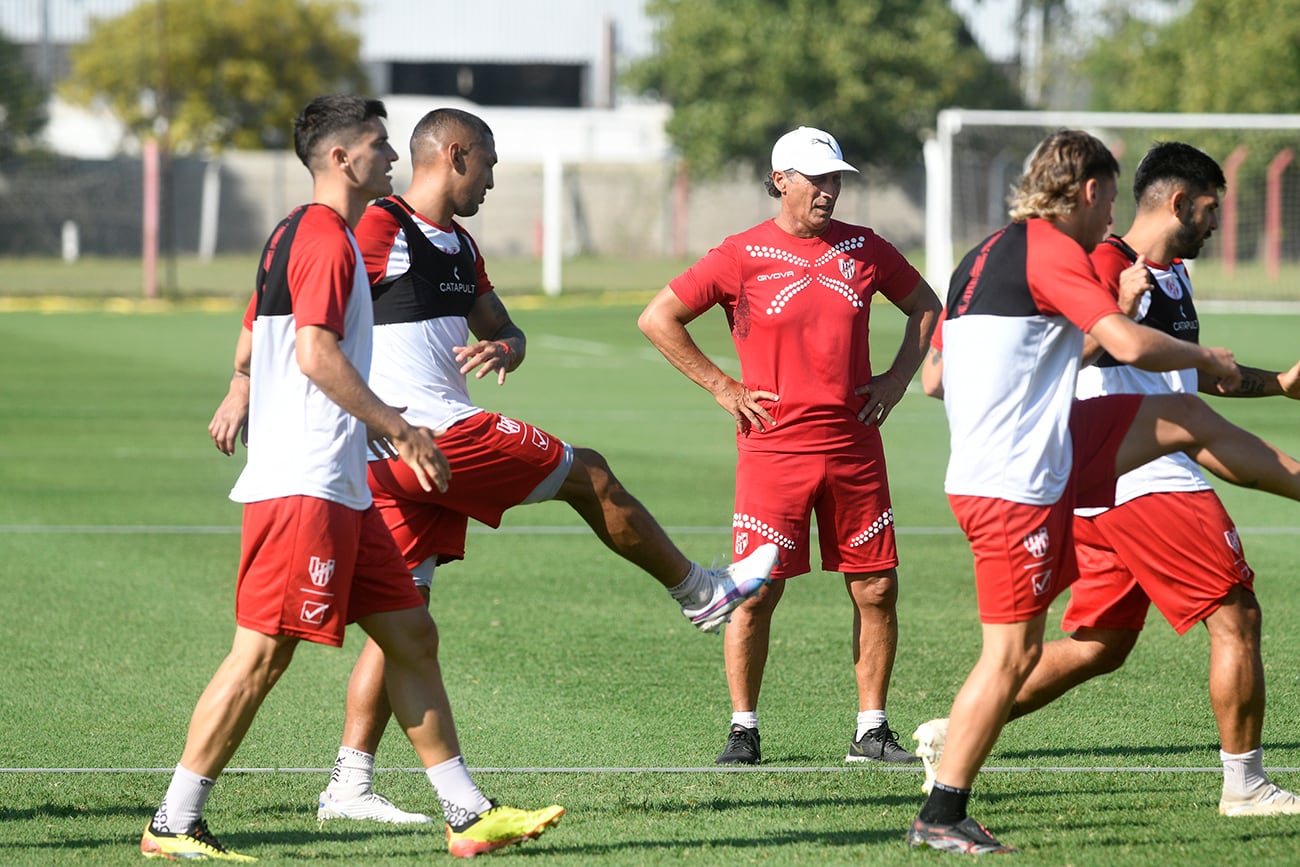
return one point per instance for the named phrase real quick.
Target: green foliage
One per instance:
(22, 100)
(738, 73)
(230, 73)
(1221, 56)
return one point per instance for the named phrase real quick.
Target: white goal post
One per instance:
(976, 155)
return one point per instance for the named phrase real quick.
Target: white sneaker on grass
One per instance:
(1269, 799)
(930, 737)
(371, 805)
(732, 585)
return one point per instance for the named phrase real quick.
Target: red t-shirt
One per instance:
(799, 311)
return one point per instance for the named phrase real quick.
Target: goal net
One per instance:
(977, 156)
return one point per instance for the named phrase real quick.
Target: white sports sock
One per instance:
(696, 588)
(462, 802)
(182, 806)
(353, 774)
(1243, 773)
(868, 720)
(746, 718)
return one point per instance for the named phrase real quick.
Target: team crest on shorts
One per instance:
(741, 544)
(320, 571)
(1233, 540)
(1037, 543)
(508, 425)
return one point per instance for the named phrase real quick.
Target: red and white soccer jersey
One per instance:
(301, 443)
(799, 311)
(426, 278)
(1012, 336)
(1169, 308)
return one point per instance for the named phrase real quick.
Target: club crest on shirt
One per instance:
(1173, 288)
(847, 268)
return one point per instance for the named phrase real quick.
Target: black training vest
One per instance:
(1174, 316)
(437, 284)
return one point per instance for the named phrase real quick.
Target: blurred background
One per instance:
(145, 144)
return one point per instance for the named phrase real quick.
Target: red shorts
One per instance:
(1178, 550)
(1024, 554)
(776, 494)
(496, 462)
(309, 567)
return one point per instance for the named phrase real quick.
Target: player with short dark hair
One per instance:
(1025, 453)
(798, 291)
(1168, 539)
(316, 554)
(437, 319)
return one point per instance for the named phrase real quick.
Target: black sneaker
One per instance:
(742, 747)
(967, 837)
(880, 745)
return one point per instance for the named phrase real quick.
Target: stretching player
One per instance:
(1168, 540)
(431, 290)
(1025, 453)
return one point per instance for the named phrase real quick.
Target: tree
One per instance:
(1221, 56)
(218, 73)
(22, 101)
(738, 73)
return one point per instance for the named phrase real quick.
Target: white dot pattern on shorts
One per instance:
(877, 526)
(741, 521)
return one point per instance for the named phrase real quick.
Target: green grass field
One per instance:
(573, 675)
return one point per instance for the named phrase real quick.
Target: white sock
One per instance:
(868, 720)
(353, 774)
(1243, 773)
(695, 588)
(462, 802)
(182, 806)
(746, 718)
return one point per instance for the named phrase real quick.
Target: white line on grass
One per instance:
(708, 769)
(540, 530)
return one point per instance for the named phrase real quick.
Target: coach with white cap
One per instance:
(797, 292)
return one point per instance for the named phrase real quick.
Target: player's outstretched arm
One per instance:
(1256, 382)
(230, 421)
(322, 361)
(1131, 343)
(664, 322)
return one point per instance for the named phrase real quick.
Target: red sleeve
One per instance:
(321, 271)
(712, 280)
(1109, 261)
(375, 234)
(480, 268)
(894, 274)
(250, 312)
(1062, 280)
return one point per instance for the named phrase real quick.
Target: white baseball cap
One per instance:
(809, 151)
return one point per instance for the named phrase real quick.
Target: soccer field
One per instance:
(573, 676)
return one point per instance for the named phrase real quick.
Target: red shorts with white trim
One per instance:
(1179, 550)
(1024, 554)
(309, 567)
(496, 462)
(777, 493)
